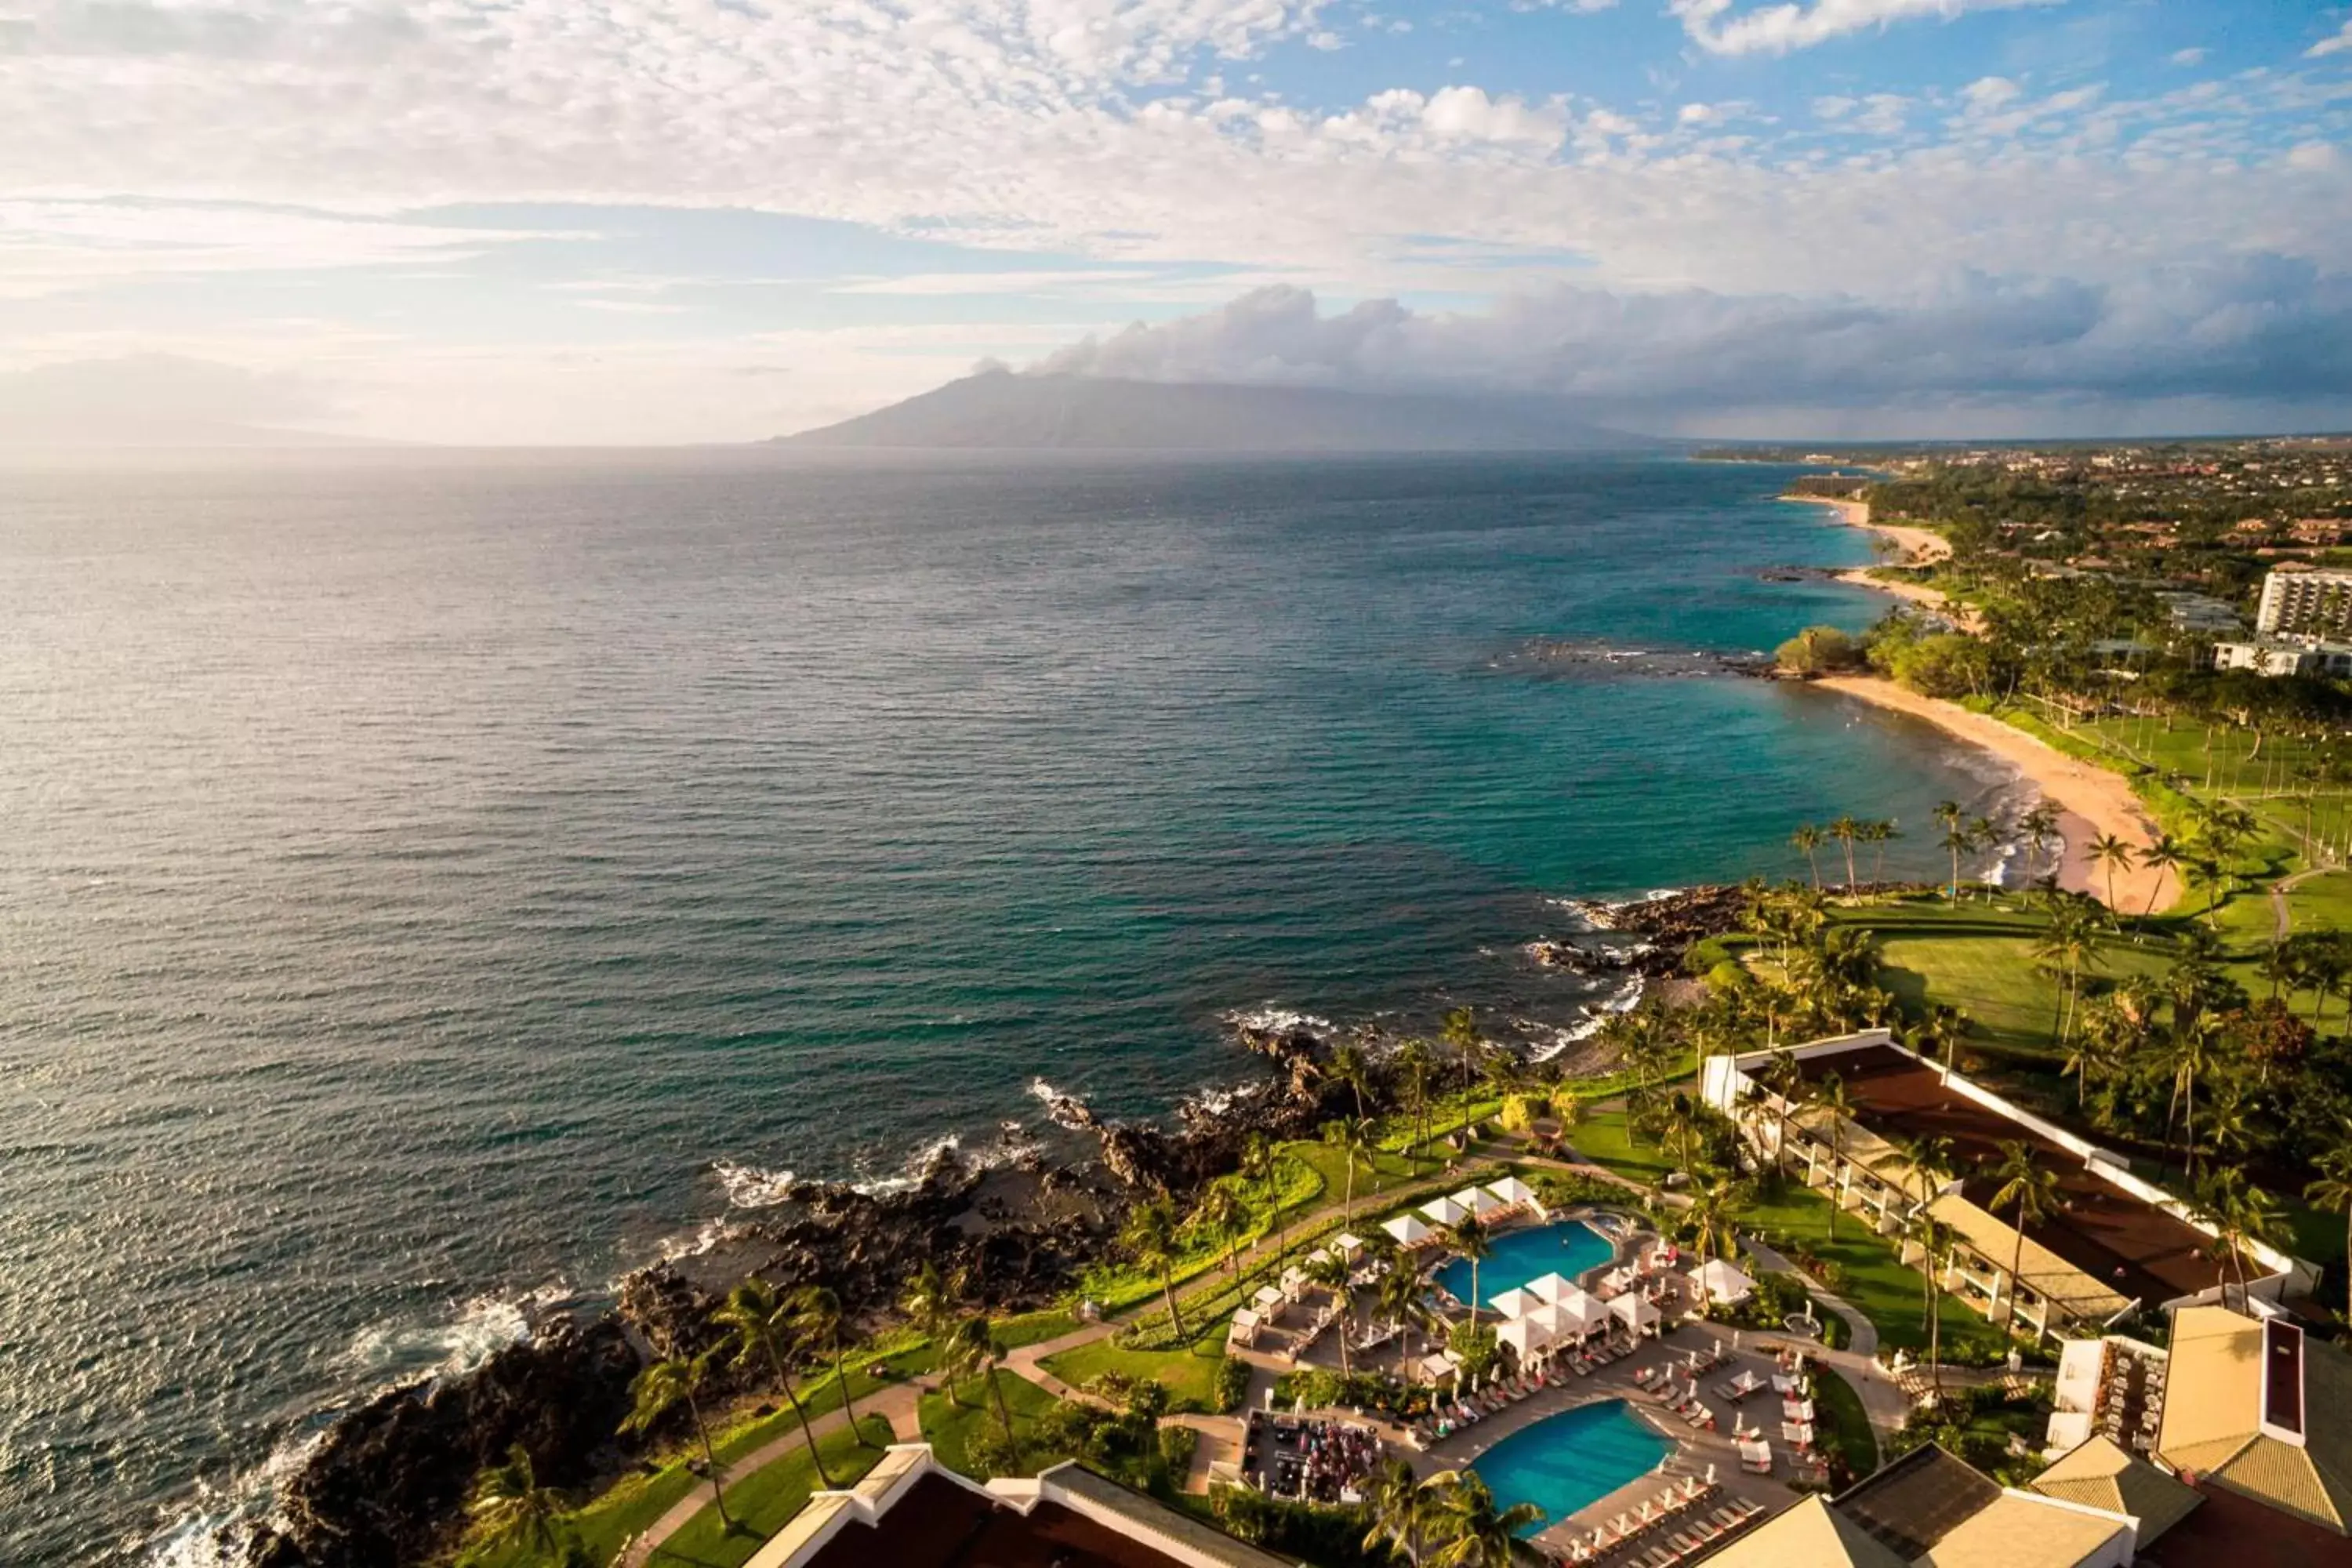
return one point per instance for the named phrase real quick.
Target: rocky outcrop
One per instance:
(383, 1486)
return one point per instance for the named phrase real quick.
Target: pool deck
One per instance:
(1694, 1449)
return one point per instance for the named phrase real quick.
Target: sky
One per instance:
(659, 221)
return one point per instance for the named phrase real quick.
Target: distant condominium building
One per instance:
(2306, 602)
(2277, 655)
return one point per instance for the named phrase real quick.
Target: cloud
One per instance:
(2332, 46)
(2255, 330)
(2190, 57)
(1777, 30)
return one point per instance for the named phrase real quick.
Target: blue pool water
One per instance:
(1519, 1255)
(1571, 1460)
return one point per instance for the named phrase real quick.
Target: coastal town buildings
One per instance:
(2302, 600)
(911, 1511)
(2114, 1245)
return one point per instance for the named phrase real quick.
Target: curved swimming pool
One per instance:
(1567, 1248)
(1571, 1460)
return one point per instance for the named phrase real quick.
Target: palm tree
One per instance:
(1460, 1033)
(2033, 1190)
(1930, 1163)
(1808, 839)
(1784, 1077)
(963, 1351)
(2332, 1189)
(2165, 855)
(1397, 1297)
(2192, 1054)
(818, 1317)
(2112, 854)
(1330, 1271)
(977, 1348)
(2240, 1214)
(509, 1503)
(660, 1388)
(1472, 1532)
(1715, 1210)
(1877, 833)
(1150, 1234)
(1467, 1237)
(762, 1319)
(1418, 1069)
(1224, 1216)
(1846, 830)
(1829, 1097)
(1349, 1065)
(1353, 1136)
(1955, 841)
(1260, 1159)
(1399, 1511)
(2207, 873)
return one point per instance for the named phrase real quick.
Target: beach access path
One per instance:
(2097, 799)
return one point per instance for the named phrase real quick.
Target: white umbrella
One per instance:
(1551, 1287)
(1444, 1211)
(1523, 1335)
(1479, 1201)
(1515, 1303)
(1409, 1231)
(1349, 1245)
(1512, 1190)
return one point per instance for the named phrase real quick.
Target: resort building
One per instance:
(2304, 601)
(2113, 1245)
(1930, 1509)
(2277, 656)
(2255, 1408)
(911, 1511)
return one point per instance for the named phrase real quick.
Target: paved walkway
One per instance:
(898, 1404)
(1887, 1407)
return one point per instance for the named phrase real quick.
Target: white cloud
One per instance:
(2333, 45)
(1715, 26)
(1989, 93)
(2315, 158)
(2190, 57)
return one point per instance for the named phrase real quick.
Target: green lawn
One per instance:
(1843, 1423)
(948, 1428)
(1189, 1374)
(1876, 1285)
(1601, 1137)
(761, 1502)
(1034, 1328)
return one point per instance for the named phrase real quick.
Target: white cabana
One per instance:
(1634, 1313)
(1480, 1202)
(1245, 1329)
(1720, 1280)
(1446, 1211)
(1294, 1280)
(1408, 1230)
(1552, 1287)
(1433, 1368)
(1574, 1316)
(1515, 1303)
(1523, 1335)
(1512, 1190)
(1270, 1303)
(1321, 1255)
(1349, 1245)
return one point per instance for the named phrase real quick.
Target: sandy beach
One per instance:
(2093, 800)
(1918, 546)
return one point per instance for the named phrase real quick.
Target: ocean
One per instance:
(429, 880)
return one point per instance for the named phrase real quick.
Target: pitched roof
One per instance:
(1812, 1533)
(2045, 1273)
(2019, 1532)
(1912, 1502)
(2102, 1474)
(2214, 1422)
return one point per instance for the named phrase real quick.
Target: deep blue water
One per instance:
(1571, 1460)
(418, 871)
(1519, 1255)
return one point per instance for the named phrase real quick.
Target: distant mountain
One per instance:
(1004, 410)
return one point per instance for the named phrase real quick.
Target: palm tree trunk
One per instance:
(807, 1431)
(1168, 1291)
(841, 1371)
(710, 1462)
(2016, 1263)
(1003, 1416)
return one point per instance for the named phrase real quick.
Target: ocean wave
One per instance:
(1066, 1111)
(1624, 1000)
(1272, 1019)
(751, 1186)
(217, 1529)
(483, 1326)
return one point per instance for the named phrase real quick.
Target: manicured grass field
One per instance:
(1602, 1137)
(761, 1503)
(1189, 1374)
(948, 1428)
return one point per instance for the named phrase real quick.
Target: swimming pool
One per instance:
(1568, 1249)
(1571, 1460)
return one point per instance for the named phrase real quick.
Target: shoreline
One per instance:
(2093, 800)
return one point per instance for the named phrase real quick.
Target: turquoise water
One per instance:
(1519, 1255)
(1570, 1460)
(422, 871)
